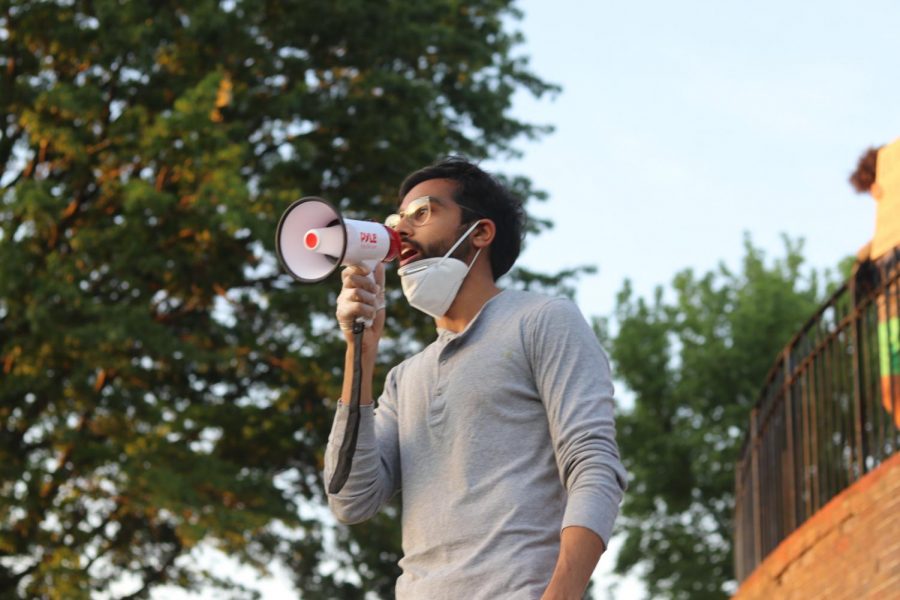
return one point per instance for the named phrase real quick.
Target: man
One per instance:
(500, 433)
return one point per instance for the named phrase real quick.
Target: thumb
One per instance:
(379, 281)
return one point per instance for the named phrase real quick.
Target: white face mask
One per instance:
(431, 284)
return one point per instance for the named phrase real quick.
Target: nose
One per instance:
(403, 228)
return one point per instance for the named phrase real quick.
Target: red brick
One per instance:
(848, 550)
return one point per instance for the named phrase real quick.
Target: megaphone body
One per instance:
(313, 239)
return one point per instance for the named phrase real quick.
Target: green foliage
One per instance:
(695, 358)
(162, 384)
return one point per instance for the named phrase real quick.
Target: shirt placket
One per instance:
(438, 403)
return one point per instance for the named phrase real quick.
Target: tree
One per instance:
(163, 383)
(695, 358)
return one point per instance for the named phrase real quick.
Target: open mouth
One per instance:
(408, 255)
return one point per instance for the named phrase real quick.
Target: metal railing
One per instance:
(829, 413)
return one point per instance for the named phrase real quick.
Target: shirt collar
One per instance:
(445, 335)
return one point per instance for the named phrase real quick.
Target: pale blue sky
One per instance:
(682, 125)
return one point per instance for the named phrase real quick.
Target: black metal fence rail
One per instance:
(826, 415)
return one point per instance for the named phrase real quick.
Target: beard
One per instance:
(463, 252)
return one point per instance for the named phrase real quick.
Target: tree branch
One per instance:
(7, 143)
(8, 583)
(155, 576)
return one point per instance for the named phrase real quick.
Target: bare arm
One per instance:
(579, 550)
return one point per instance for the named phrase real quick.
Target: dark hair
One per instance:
(864, 176)
(480, 194)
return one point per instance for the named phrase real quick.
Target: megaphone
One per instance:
(313, 239)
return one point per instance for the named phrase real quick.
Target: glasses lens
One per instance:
(419, 211)
(416, 214)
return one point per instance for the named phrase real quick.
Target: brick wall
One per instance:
(849, 550)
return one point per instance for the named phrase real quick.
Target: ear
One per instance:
(484, 233)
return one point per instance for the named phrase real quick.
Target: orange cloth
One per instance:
(887, 212)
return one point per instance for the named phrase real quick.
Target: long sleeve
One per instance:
(573, 377)
(375, 472)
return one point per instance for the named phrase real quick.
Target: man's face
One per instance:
(442, 229)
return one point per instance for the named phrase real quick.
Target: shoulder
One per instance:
(534, 308)
(531, 302)
(542, 320)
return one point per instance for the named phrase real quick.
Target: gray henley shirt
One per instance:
(499, 437)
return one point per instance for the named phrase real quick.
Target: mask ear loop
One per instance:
(428, 263)
(460, 241)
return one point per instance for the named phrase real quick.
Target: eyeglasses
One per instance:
(416, 214)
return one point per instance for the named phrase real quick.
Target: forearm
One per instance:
(362, 494)
(374, 476)
(579, 550)
(368, 368)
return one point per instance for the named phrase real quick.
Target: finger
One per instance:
(380, 301)
(347, 273)
(357, 270)
(358, 310)
(350, 295)
(350, 274)
(348, 312)
(360, 282)
(363, 297)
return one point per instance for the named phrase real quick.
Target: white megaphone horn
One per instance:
(313, 239)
